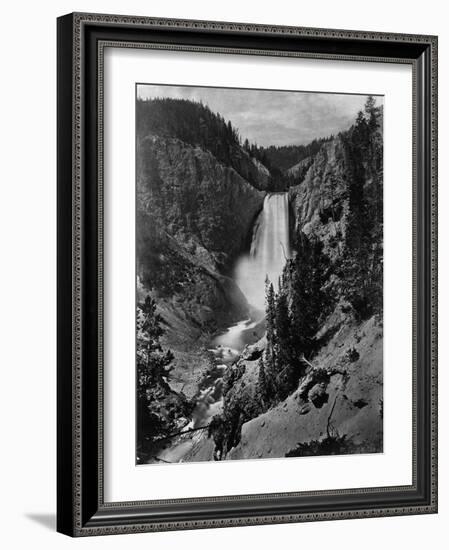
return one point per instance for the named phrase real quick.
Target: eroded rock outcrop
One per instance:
(320, 203)
(194, 217)
(332, 296)
(339, 398)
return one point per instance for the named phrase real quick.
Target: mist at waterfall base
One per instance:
(270, 248)
(269, 251)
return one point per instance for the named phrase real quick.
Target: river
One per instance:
(269, 251)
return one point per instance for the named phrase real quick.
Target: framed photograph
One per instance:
(247, 283)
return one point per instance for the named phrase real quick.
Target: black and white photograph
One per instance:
(259, 267)
(221, 315)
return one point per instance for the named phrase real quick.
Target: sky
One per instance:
(268, 117)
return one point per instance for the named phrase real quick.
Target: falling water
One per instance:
(269, 250)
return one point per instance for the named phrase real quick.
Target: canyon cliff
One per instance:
(310, 381)
(314, 383)
(194, 215)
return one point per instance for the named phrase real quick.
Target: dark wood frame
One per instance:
(81, 509)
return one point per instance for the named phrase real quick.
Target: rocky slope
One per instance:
(313, 383)
(340, 397)
(198, 194)
(194, 216)
(299, 170)
(337, 405)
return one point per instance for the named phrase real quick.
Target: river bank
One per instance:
(192, 443)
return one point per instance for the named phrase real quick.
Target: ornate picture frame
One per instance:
(81, 507)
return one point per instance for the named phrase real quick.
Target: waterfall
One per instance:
(270, 247)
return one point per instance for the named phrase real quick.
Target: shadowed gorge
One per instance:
(259, 291)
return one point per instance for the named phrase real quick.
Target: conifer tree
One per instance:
(271, 320)
(153, 368)
(153, 363)
(308, 300)
(263, 390)
(285, 364)
(362, 259)
(270, 349)
(372, 113)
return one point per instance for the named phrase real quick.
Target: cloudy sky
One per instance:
(271, 117)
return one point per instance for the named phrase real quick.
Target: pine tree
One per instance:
(308, 301)
(153, 368)
(371, 113)
(270, 359)
(292, 317)
(285, 363)
(153, 364)
(355, 149)
(270, 319)
(263, 390)
(361, 266)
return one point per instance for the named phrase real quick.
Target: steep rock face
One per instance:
(262, 175)
(194, 216)
(320, 202)
(337, 405)
(194, 124)
(250, 168)
(299, 170)
(207, 206)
